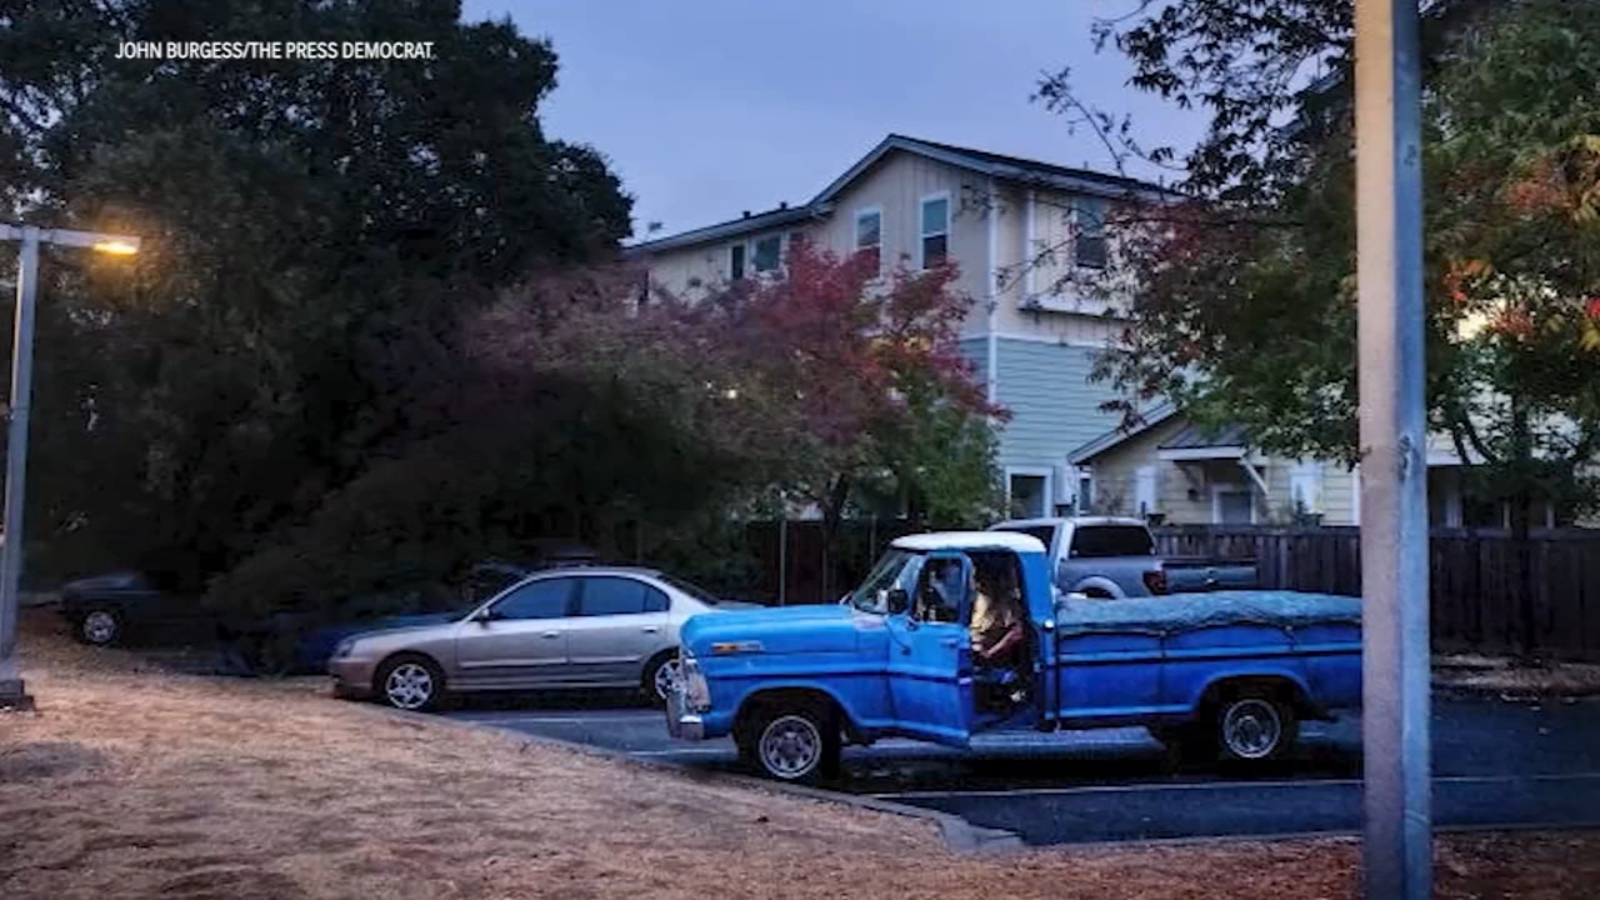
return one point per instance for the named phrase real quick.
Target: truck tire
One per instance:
(1254, 726)
(799, 743)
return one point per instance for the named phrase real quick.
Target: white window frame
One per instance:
(922, 236)
(1048, 473)
(1077, 227)
(1217, 490)
(855, 232)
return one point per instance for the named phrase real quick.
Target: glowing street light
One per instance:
(12, 691)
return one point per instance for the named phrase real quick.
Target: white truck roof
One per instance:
(970, 540)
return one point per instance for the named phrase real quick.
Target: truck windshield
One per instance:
(1095, 541)
(869, 597)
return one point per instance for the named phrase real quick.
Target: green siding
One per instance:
(1054, 408)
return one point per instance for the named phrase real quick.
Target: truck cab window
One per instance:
(940, 591)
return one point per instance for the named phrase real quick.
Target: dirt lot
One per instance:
(132, 782)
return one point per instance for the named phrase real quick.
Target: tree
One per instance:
(887, 403)
(1245, 306)
(315, 232)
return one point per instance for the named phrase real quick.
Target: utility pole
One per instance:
(13, 692)
(1397, 834)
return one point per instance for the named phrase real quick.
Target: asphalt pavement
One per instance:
(1496, 764)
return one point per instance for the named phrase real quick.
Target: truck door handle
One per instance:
(951, 643)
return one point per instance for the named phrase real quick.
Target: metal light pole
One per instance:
(13, 693)
(1397, 839)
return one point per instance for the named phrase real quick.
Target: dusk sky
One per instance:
(707, 108)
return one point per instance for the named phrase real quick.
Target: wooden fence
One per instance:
(1476, 595)
(1475, 592)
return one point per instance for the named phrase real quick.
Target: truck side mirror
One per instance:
(898, 601)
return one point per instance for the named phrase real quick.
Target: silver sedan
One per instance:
(593, 627)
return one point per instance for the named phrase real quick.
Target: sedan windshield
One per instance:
(871, 596)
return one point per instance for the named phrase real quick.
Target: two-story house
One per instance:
(1014, 227)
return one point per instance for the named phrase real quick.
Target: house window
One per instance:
(1030, 495)
(1089, 243)
(1085, 498)
(768, 253)
(1305, 487)
(935, 229)
(736, 262)
(1232, 505)
(869, 235)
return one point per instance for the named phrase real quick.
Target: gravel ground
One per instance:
(132, 781)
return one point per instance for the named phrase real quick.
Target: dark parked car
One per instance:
(139, 606)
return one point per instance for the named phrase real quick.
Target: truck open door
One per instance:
(930, 652)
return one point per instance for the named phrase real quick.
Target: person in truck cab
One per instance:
(999, 631)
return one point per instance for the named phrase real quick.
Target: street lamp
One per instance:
(13, 695)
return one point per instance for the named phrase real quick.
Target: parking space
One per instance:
(1496, 764)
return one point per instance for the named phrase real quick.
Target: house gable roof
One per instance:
(1117, 436)
(981, 162)
(1009, 168)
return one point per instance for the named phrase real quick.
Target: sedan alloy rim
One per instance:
(99, 627)
(409, 686)
(667, 677)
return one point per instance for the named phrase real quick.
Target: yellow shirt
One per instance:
(991, 619)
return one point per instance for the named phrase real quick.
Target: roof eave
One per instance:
(725, 230)
(1118, 436)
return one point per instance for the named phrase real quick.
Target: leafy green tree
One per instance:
(1245, 304)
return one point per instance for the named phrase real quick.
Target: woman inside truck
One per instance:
(999, 633)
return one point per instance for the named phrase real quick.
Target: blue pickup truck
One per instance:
(1219, 676)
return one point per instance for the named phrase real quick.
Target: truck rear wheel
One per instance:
(1254, 727)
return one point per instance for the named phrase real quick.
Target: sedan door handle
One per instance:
(551, 634)
(650, 629)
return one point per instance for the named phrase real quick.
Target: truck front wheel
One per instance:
(798, 744)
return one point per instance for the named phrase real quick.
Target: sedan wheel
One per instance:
(667, 676)
(99, 627)
(412, 684)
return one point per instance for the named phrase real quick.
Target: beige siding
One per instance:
(1184, 489)
(694, 272)
(896, 186)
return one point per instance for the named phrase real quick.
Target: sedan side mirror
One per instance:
(485, 616)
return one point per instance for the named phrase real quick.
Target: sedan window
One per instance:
(608, 596)
(542, 599)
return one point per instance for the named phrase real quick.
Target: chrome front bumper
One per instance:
(682, 724)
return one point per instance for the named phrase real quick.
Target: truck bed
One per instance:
(1186, 612)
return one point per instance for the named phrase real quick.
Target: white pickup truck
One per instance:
(1112, 558)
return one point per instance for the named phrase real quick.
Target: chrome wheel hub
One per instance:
(1252, 729)
(791, 747)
